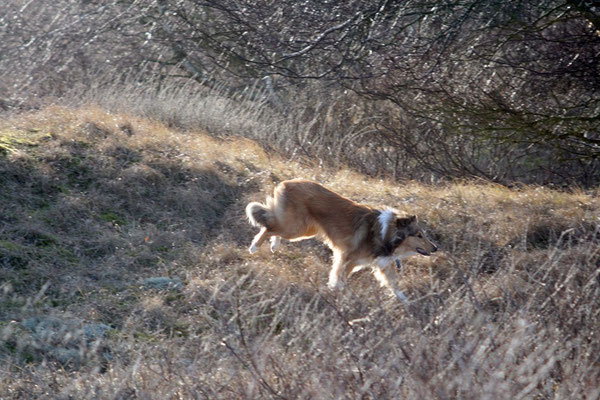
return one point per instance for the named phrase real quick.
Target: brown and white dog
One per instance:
(357, 234)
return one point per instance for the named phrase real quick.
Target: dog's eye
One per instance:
(420, 236)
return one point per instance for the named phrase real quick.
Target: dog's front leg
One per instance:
(386, 274)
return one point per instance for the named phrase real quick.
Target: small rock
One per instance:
(68, 341)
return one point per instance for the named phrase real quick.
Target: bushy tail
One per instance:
(259, 214)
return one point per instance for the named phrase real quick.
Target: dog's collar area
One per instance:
(386, 250)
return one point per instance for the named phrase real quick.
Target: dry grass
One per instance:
(94, 202)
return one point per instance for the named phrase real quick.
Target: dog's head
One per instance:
(410, 239)
(403, 237)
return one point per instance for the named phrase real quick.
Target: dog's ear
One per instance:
(406, 221)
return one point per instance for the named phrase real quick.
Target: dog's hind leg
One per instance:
(275, 242)
(336, 270)
(259, 240)
(339, 270)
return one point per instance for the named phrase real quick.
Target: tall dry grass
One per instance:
(93, 202)
(318, 124)
(312, 124)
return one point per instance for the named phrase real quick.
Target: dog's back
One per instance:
(335, 216)
(301, 208)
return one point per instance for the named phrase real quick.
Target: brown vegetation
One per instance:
(123, 265)
(93, 202)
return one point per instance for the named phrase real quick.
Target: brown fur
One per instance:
(301, 209)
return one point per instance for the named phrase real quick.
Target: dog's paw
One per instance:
(253, 249)
(275, 242)
(336, 284)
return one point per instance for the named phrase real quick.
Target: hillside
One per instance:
(124, 274)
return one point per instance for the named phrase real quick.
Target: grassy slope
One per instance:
(91, 203)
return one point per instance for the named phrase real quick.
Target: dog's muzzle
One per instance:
(425, 252)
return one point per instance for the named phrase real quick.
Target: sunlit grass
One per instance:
(103, 200)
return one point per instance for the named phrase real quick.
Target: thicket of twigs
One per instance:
(505, 91)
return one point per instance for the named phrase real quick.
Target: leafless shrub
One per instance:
(501, 91)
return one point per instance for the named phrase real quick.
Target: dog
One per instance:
(357, 234)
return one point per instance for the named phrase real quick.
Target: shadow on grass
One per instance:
(83, 213)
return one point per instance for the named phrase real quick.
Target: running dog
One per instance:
(357, 234)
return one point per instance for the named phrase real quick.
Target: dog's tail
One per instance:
(260, 214)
